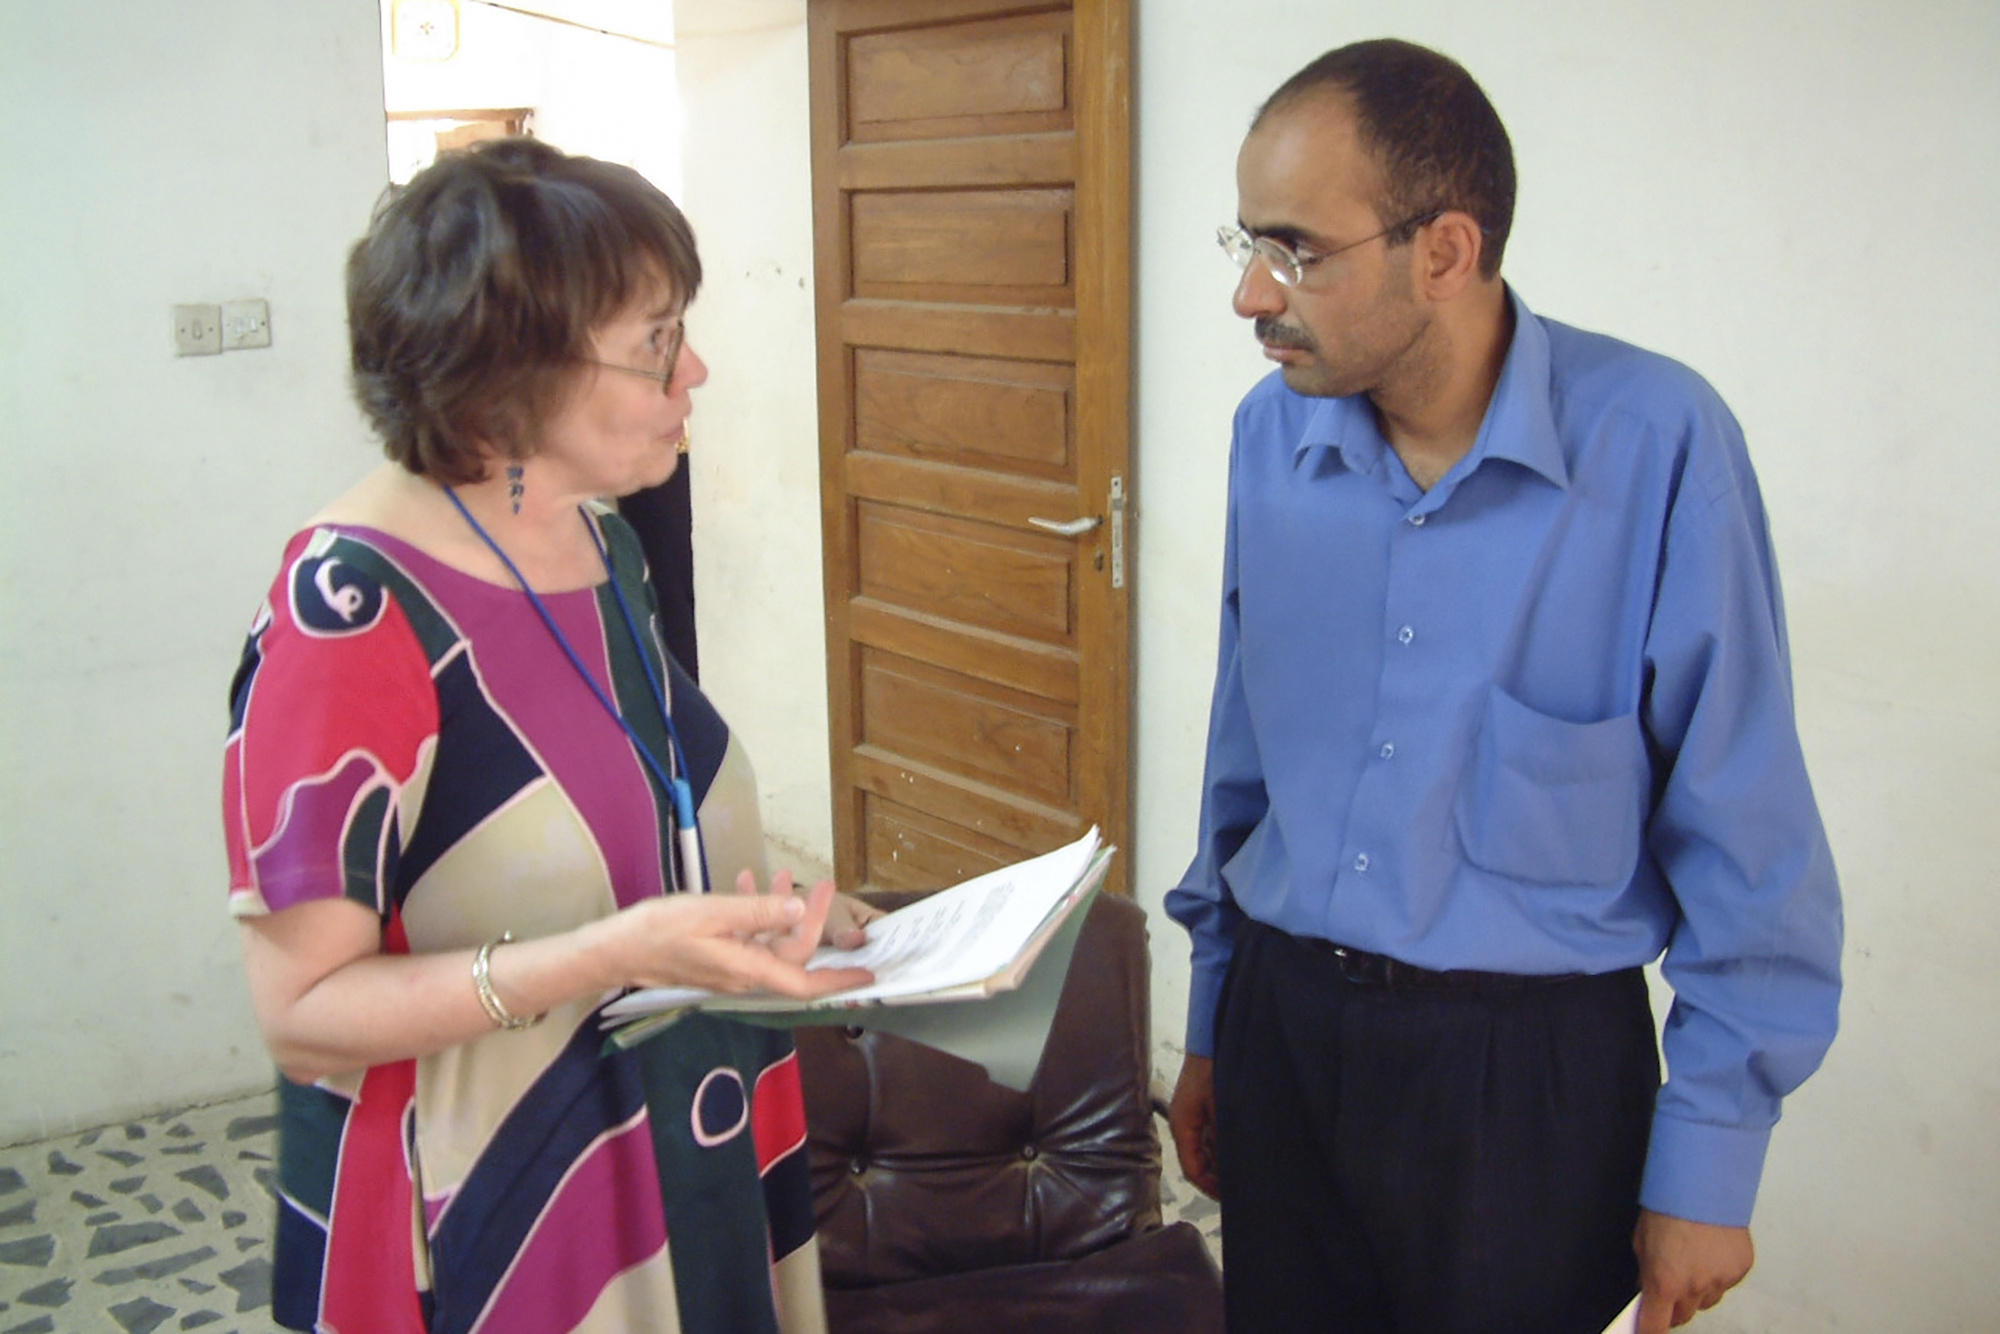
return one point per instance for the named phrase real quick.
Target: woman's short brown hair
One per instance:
(472, 299)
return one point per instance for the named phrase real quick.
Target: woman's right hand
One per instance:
(746, 941)
(330, 1001)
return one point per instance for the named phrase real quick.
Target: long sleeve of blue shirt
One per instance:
(1537, 719)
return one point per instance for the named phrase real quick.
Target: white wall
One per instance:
(154, 154)
(1797, 198)
(755, 455)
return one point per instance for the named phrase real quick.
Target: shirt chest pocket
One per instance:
(1550, 802)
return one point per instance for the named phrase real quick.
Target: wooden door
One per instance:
(971, 209)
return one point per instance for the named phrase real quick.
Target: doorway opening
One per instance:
(596, 77)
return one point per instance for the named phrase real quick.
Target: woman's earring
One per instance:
(516, 487)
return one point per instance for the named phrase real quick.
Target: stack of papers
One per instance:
(975, 941)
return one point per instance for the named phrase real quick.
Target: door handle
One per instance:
(1078, 527)
(1067, 527)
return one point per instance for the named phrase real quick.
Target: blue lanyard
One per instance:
(694, 861)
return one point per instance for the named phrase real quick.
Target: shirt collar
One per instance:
(1519, 425)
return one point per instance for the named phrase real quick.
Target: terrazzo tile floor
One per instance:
(157, 1223)
(163, 1223)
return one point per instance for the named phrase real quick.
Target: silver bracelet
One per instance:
(482, 981)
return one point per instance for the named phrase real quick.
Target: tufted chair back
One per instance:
(933, 1184)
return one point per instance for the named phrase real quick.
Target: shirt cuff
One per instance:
(1204, 994)
(1703, 1173)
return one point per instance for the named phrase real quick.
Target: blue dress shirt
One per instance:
(1537, 719)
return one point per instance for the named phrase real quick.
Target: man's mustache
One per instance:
(1273, 334)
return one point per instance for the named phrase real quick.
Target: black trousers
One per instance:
(1406, 1157)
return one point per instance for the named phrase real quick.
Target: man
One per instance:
(1502, 711)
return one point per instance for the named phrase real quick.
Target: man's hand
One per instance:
(1684, 1267)
(1191, 1116)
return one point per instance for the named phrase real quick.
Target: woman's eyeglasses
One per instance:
(670, 358)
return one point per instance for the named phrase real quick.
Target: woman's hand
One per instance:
(847, 921)
(747, 941)
(847, 917)
(330, 1001)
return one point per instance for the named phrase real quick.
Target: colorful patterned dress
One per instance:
(413, 738)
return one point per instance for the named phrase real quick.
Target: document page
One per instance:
(956, 938)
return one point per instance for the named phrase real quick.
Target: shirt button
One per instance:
(1361, 862)
(1388, 750)
(1417, 520)
(1405, 635)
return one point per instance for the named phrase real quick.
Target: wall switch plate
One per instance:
(246, 324)
(197, 331)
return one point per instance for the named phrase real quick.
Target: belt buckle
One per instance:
(1361, 968)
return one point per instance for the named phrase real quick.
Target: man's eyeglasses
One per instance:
(1287, 264)
(670, 357)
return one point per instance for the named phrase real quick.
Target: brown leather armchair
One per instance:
(949, 1203)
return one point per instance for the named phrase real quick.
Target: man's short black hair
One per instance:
(1430, 128)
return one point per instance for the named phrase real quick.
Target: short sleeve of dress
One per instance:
(333, 725)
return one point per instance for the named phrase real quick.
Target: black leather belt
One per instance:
(1379, 970)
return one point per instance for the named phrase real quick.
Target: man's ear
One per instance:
(1448, 254)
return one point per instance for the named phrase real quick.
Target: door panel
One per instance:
(983, 731)
(1046, 671)
(911, 850)
(947, 81)
(1011, 416)
(972, 573)
(996, 247)
(971, 218)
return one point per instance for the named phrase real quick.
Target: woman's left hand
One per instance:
(846, 925)
(847, 922)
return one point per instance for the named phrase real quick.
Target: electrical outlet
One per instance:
(197, 331)
(246, 324)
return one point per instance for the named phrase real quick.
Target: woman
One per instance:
(468, 799)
